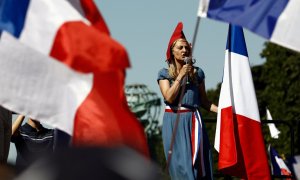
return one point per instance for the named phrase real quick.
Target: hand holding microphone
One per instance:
(189, 61)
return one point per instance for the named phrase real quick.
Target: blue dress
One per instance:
(191, 156)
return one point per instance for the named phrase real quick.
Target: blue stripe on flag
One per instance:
(275, 167)
(236, 41)
(259, 16)
(12, 15)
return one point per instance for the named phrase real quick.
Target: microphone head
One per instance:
(189, 60)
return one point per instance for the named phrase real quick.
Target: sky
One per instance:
(144, 28)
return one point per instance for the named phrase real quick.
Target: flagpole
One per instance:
(181, 97)
(195, 34)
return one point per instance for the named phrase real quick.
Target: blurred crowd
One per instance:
(45, 153)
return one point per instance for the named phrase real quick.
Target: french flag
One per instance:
(60, 66)
(278, 165)
(238, 137)
(276, 20)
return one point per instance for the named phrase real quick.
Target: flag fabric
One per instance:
(273, 130)
(278, 165)
(238, 138)
(62, 68)
(276, 20)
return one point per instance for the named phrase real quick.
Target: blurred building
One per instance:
(145, 104)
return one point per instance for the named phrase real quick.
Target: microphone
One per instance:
(188, 60)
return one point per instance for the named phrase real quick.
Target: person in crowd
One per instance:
(182, 85)
(5, 133)
(32, 141)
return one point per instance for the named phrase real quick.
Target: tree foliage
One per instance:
(277, 85)
(280, 76)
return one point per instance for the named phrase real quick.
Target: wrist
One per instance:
(179, 77)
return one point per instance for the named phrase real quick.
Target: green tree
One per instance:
(281, 79)
(277, 84)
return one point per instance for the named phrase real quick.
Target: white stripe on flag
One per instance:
(40, 87)
(241, 84)
(43, 19)
(287, 27)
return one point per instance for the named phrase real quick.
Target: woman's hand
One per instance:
(185, 69)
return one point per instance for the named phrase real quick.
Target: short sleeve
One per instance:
(200, 75)
(163, 74)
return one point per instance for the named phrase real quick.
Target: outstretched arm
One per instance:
(205, 103)
(17, 124)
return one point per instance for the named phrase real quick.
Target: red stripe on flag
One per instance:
(242, 150)
(230, 156)
(85, 49)
(228, 151)
(286, 173)
(94, 16)
(253, 148)
(95, 121)
(104, 118)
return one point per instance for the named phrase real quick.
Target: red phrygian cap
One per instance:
(177, 34)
